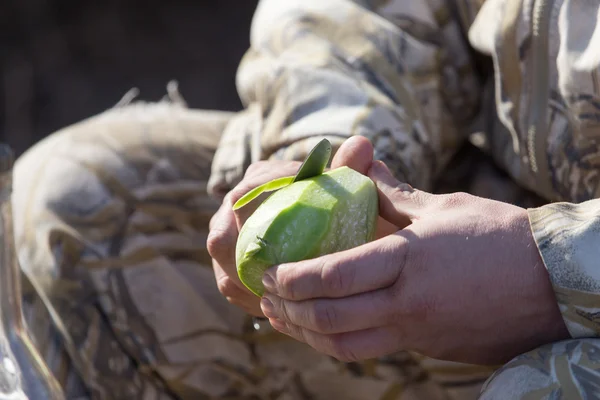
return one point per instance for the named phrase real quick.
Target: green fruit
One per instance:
(330, 212)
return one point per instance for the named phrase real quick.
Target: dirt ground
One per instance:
(64, 60)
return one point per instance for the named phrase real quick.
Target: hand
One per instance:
(224, 228)
(463, 282)
(356, 152)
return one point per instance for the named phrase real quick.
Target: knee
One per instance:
(61, 176)
(59, 186)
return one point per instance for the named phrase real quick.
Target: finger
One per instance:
(235, 293)
(356, 153)
(222, 238)
(229, 285)
(221, 246)
(399, 203)
(347, 347)
(372, 266)
(252, 308)
(354, 313)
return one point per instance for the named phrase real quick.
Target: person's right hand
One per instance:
(356, 153)
(225, 225)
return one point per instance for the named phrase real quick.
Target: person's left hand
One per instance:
(463, 282)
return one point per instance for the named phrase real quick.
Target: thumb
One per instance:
(399, 203)
(356, 153)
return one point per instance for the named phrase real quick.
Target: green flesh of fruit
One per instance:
(330, 212)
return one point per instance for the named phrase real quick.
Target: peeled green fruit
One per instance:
(330, 212)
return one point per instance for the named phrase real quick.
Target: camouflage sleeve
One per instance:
(568, 236)
(563, 370)
(397, 72)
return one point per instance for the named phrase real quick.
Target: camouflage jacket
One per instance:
(416, 78)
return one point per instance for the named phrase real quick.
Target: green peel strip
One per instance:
(313, 165)
(270, 186)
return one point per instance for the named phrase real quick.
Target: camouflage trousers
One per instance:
(111, 218)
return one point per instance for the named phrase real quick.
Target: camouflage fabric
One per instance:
(112, 213)
(111, 221)
(564, 370)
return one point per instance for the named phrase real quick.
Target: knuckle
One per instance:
(284, 312)
(243, 187)
(213, 244)
(453, 200)
(218, 242)
(227, 287)
(324, 317)
(237, 193)
(227, 200)
(336, 279)
(255, 168)
(288, 284)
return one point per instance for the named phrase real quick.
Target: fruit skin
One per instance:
(327, 213)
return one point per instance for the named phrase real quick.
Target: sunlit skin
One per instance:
(455, 277)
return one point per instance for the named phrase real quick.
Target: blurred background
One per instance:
(62, 61)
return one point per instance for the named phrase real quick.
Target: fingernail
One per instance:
(269, 283)
(381, 166)
(268, 308)
(405, 187)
